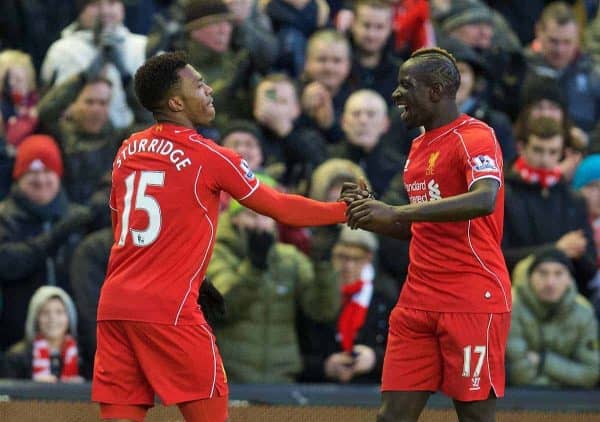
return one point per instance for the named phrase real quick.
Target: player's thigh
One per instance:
(205, 410)
(402, 406)
(473, 347)
(412, 359)
(182, 363)
(118, 377)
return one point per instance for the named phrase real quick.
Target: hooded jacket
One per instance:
(19, 360)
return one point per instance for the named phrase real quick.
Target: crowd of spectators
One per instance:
(302, 90)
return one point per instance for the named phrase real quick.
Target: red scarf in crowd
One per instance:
(356, 297)
(544, 177)
(69, 357)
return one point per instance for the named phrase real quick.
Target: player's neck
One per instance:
(176, 120)
(444, 116)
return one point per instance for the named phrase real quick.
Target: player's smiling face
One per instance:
(411, 96)
(197, 97)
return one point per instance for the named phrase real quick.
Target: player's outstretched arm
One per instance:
(377, 216)
(295, 210)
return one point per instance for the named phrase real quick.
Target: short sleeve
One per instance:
(233, 174)
(479, 155)
(112, 201)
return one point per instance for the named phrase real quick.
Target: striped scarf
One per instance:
(69, 357)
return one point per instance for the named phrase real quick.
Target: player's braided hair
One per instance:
(438, 67)
(155, 78)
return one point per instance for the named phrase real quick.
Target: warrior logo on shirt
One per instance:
(484, 163)
(431, 163)
(247, 170)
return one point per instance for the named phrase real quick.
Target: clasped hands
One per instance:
(343, 366)
(364, 211)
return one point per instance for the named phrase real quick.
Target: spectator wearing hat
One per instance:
(553, 340)
(49, 351)
(39, 228)
(351, 348)
(98, 37)
(474, 92)
(208, 27)
(263, 282)
(485, 30)
(572, 70)
(541, 209)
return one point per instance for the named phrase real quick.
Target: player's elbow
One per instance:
(487, 203)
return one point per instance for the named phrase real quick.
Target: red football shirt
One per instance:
(456, 266)
(166, 184)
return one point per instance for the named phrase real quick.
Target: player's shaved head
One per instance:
(437, 66)
(156, 79)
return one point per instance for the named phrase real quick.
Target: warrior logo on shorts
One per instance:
(475, 383)
(247, 170)
(484, 163)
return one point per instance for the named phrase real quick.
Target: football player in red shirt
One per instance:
(166, 182)
(449, 329)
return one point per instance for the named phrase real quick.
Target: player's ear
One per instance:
(175, 103)
(436, 91)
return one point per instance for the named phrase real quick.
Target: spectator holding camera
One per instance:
(77, 113)
(39, 228)
(98, 35)
(19, 97)
(48, 352)
(263, 282)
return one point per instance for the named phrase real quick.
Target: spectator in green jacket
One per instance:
(264, 283)
(553, 339)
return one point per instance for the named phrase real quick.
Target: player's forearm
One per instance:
(457, 208)
(295, 210)
(400, 230)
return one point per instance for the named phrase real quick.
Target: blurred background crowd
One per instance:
(302, 90)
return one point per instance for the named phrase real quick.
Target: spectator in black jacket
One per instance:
(87, 272)
(373, 67)
(286, 140)
(351, 349)
(39, 228)
(541, 209)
